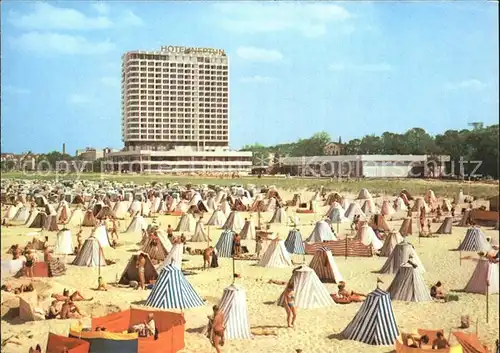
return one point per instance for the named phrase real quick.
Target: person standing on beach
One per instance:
(258, 245)
(291, 310)
(141, 263)
(218, 329)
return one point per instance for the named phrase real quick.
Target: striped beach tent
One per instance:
(369, 207)
(174, 257)
(446, 227)
(321, 232)
(325, 267)
(234, 222)
(218, 218)
(279, 216)
(336, 214)
(276, 256)
(173, 291)
(248, 231)
(199, 233)
(408, 285)
(474, 240)
(390, 242)
(406, 227)
(224, 245)
(294, 243)
(310, 293)
(234, 306)
(354, 210)
(485, 278)
(399, 256)
(101, 234)
(187, 223)
(374, 323)
(91, 254)
(157, 247)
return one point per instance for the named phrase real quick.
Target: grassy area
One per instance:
(386, 186)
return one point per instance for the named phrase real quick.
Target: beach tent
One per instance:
(211, 203)
(218, 218)
(225, 207)
(57, 344)
(187, 223)
(470, 343)
(64, 243)
(354, 210)
(105, 212)
(446, 205)
(380, 222)
(325, 267)
(310, 293)
(168, 338)
(405, 195)
(276, 256)
(336, 213)
(279, 216)
(101, 234)
(11, 212)
(418, 204)
(89, 219)
(369, 207)
(374, 323)
(430, 198)
(135, 207)
(484, 278)
(76, 218)
(387, 209)
(333, 197)
(174, 257)
(270, 206)
(294, 243)
(408, 285)
(131, 272)
(475, 240)
(234, 222)
(446, 227)
(406, 227)
(466, 218)
(248, 231)
(399, 256)
(120, 209)
(173, 291)
(459, 198)
(22, 214)
(91, 254)
(296, 200)
(234, 306)
(202, 206)
(137, 225)
(51, 223)
(199, 233)
(367, 236)
(321, 232)
(390, 242)
(400, 205)
(224, 245)
(36, 220)
(157, 247)
(364, 194)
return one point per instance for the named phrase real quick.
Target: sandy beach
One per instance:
(316, 330)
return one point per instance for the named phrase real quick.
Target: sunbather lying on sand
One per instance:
(349, 294)
(437, 291)
(21, 289)
(76, 296)
(414, 341)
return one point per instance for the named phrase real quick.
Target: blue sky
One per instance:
(346, 68)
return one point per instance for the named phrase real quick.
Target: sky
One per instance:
(296, 68)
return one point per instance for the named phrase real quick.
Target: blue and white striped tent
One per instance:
(173, 291)
(474, 240)
(294, 243)
(374, 323)
(224, 245)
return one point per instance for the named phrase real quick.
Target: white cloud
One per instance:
(110, 81)
(49, 17)
(101, 8)
(259, 54)
(380, 67)
(472, 84)
(258, 79)
(131, 19)
(54, 43)
(77, 99)
(15, 90)
(311, 20)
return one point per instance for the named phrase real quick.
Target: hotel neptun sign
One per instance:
(191, 50)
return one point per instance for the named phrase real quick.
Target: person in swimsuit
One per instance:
(75, 297)
(217, 334)
(141, 263)
(53, 312)
(207, 256)
(291, 310)
(29, 263)
(237, 245)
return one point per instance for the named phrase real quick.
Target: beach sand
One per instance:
(316, 330)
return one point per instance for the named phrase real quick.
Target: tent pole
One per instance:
(460, 253)
(234, 271)
(487, 300)
(346, 247)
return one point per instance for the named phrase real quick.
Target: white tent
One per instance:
(364, 194)
(248, 231)
(484, 278)
(390, 242)
(174, 257)
(120, 209)
(234, 306)
(276, 256)
(64, 243)
(400, 204)
(91, 254)
(234, 222)
(101, 234)
(354, 210)
(187, 223)
(475, 240)
(321, 232)
(369, 207)
(368, 237)
(402, 252)
(137, 225)
(218, 218)
(387, 209)
(199, 233)
(336, 213)
(325, 267)
(76, 218)
(310, 293)
(279, 216)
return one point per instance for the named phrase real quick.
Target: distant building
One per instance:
(91, 154)
(333, 149)
(368, 166)
(24, 161)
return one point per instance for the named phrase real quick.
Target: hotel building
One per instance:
(175, 112)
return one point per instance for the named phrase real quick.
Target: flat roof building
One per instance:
(175, 108)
